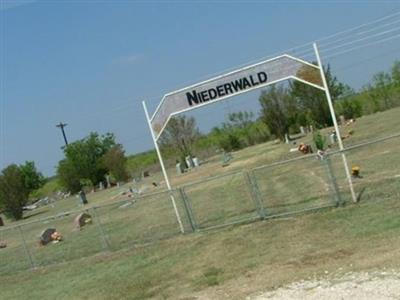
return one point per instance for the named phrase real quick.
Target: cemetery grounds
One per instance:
(290, 216)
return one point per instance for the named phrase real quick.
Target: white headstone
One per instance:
(195, 161)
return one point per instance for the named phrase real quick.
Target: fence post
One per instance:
(332, 179)
(28, 254)
(106, 243)
(255, 193)
(188, 209)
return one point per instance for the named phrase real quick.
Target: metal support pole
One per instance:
(163, 168)
(255, 193)
(189, 210)
(332, 111)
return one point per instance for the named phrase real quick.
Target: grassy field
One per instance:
(232, 262)
(229, 263)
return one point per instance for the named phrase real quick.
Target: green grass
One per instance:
(365, 235)
(238, 260)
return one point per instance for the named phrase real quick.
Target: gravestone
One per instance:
(196, 162)
(82, 197)
(45, 236)
(81, 220)
(3, 244)
(179, 169)
(1, 222)
(226, 157)
(287, 139)
(303, 130)
(333, 138)
(108, 181)
(101, 185)
(189, 162)
(342, 120)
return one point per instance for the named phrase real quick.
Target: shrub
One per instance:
(319, 140)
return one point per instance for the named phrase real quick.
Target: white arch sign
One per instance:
(240, 81)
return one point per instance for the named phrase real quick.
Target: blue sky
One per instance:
(91, 63)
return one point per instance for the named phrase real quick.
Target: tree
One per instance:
(181, 133)
(241, 119)
(82, 161)
(114, 160)
(225, 138)
(13, 193)
(349, 108)
(241, 130)
(379, 91)
(396, 73)
(312, 102)
(276, 103)
(67, 176)
(33, 179)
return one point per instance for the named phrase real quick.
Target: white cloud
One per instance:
(9, 4)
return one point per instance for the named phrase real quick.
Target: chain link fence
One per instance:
(296, 185)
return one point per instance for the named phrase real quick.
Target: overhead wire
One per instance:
(306, 53)
(362, 46)
(300, 51)
(362, 39)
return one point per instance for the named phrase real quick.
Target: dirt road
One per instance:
(382, 285)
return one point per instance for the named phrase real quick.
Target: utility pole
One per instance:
(62, 125)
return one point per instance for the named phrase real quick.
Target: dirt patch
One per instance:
(362, 286)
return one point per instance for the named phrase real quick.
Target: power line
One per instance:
(359, 33)
(305, 53)
(362, 39)
(381, 55)
(357, 27)
(362, 46)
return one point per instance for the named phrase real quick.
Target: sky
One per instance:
(91, 63)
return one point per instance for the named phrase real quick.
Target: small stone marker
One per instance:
(3, 244)
(45, 236)
(81, 220)
(179, 169)
(1, 222)
(82, 197)
(342, 120)
(333, 138)
(226, 157)
(189, 161)
(196, 162)
(108, 181)
(287, 139)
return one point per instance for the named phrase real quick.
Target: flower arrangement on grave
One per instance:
(355, 171)
(56, 236)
